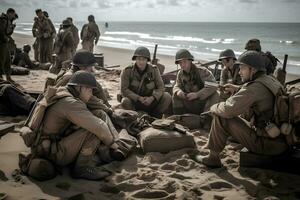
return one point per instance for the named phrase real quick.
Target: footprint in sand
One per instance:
(178, 176)
(183, 162)
(150, 194)
(167, 166)
(217, 185)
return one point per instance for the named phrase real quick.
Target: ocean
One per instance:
(205, 40)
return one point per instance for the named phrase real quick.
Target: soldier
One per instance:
(74, 30)
(44, 30)
(75, 145)
(6, 29)
(191, 94)
(63, 47)
(142, 87)
(89, 34)
(36, 45)
(254, 44)
(25, 60)
(247, 114)
(13, 101)
(230, 71)
(82, 60)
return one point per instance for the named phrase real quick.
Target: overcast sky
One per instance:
(161, 10)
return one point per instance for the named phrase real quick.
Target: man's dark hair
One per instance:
(70, 19)
(46, 14)
(10, 10)
(37, 11)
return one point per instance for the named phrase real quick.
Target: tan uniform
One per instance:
(89, 35)
(97, 92)
(229, 76)
(45, 31)
(149, 83)
(74, 31)
(6, 29)
(69, 129)
(63, 47)
(194, 81)
(237, 118)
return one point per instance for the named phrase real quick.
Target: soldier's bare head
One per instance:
(91, 18)
(11, 13)
(70, 19)
(39, 13)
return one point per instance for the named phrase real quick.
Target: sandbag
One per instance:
(191, 121)
(158, 140)
(123, 118)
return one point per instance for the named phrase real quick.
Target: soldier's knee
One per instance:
(41, 169)
(127, 103)
(166, 98)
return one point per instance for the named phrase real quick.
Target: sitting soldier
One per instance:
(142, 87)
(195, 89)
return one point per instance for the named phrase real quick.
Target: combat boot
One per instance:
(85, 168)
(211, 160)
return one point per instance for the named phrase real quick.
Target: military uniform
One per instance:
(6, 29)
(63, 47)
(44, 30)
(36, 44)
(194, 81)
(13, 101)
(226, 120)
(89, 35)
(74, 31)
(148, 83)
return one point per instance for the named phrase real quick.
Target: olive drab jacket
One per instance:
(254, 102)
(194, 81)
(6, 29)
(134, 84)
(231, 76)
(72, 110)
(43, 28)
(64, 42)
(90, 31)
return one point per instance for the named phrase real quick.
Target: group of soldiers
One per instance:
(76, 128)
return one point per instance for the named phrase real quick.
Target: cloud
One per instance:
(249, 1)
(73, 4)
(290, 1)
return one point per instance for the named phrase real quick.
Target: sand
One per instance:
(174, 175)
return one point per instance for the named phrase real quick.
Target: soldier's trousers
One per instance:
(241, 131)
(59, 60)
(36, 50)
(45, 47)
(156, 109)
(88, 45)
(70, 148)
(5, 60)
(14, 102)
(197, 106)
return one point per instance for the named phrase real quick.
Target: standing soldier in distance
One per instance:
(74, 31)
(44, 30)
(6, 29)
(90, 34)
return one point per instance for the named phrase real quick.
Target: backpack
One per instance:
(287, 112)
(31, 132)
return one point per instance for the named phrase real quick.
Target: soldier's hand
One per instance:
(181, 95)
(230, 88)
(191, 96)
(141, 99)
(148, 100)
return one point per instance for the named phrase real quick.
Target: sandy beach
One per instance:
(174, 175)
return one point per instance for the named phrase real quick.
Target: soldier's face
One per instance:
(227, 62)
(245, 72)
(85, 94)
(11, 15)
(141, 62)
(40, 14)
(185, 65)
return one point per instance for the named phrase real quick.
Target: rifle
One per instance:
(281, 73)
(154, 60)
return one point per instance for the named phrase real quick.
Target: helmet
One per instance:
(26, 48)
(84, 58)
(83, 78)
(183, 54)
(253, 44)
(227, 53)
(253, 59)
(141, 52)
(91, 18)
(66, 22)
(41, 169)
